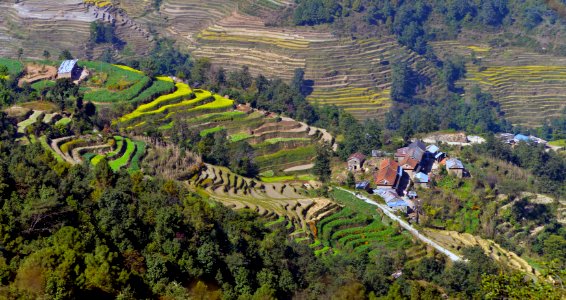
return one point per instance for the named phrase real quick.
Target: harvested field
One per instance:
(456, 241)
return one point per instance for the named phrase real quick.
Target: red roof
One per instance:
(408, 163)
(386, 177)
(387, 174)
(358, 156)
(388, 163)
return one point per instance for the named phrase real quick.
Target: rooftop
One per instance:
(522, 138)
(421, 177)
(432, 149)
(454, 163)
(358, 156)
(398, 203)
(409, 163)
(67, 66)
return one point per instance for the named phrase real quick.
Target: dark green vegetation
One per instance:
(414, 23)
(79, 232)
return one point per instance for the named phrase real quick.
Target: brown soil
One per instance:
(36, 72)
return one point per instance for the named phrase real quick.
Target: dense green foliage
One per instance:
(415, 23)
(101, 32)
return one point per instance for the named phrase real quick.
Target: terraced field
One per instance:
(55, 25)
(529, 86)
(356, 228)
(528, 95)
(120, 152)
(456, 241)
(354, 74)
(281, 202)
(279, 143)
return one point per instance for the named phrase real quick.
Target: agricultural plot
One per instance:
(119, 152)
(27, 122)
(279, 144)
(455, 241)
(283, 203)
(114, 83)
(14, 67)
(529, 89)
(528, 95)
(357, 228)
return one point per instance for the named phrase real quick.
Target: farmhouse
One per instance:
(356, 161)
(432, 149)
(421, 179)
(389, 174)
(364, 185)
(409, 165)
(455, 166)
(415, 150)
(69, 69)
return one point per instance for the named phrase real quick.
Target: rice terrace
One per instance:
(282, 149)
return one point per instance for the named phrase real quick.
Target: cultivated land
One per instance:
(530, 87)
(54, 25)
(353, 74)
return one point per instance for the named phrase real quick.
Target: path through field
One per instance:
(407, 226)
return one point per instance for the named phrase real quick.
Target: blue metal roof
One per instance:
(453, 163)
(439, 154)
(67, 66)
(432, 149)
(397, 203)
(522, 138)
(421, 177)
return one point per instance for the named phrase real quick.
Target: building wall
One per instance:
(457, 172)
(64, 75)
(354, 165)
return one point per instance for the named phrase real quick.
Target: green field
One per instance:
(14, 67)
(111, 83)
(125, 158)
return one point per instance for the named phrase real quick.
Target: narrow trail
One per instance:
(58, 151)
(407, 226)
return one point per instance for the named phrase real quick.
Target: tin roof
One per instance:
(67, 66)
(358, 156)
(432, 149)
(454, 163)
(421, 177)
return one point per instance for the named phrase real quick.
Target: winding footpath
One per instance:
(407, 226)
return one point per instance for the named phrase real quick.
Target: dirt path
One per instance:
(299, 168)
(58, 151)
(408, 227)
(76, 152)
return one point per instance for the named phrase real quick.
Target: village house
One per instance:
(432, 149)
(455, 166)
(356, 161)
(69, 69)
(389, 174)
(421, 179)
(363, 185)
(415, 150)
(409, 165)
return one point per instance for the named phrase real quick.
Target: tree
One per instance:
(46, 54)
(350, 180)
(322, 166)
(402, 85)
(298, 80)
(65, 55)
(20, 53)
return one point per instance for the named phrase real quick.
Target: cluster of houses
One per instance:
(514, 139)
(395, 179)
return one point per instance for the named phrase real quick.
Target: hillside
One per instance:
(35, 26)
(529, 86)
